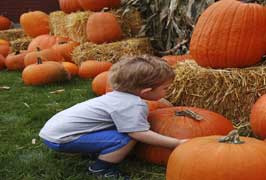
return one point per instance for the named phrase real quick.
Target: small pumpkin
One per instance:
(182, 123)
(218, 158)
(44, 73)
(91, 68)
(45, 54)
(4, 47)
(15, 61)
(71, 68)
(99, 83)
(35, 23)
(45, 41)
(2, 62)
(258, 117)
(69, 6)
(97, 5)
(173, 59)
(103, 27)
(5, 23)
(65, 48)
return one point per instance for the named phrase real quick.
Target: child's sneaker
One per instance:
(110, 173)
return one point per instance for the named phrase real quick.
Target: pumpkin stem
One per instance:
(38, 48)
(17, 52)
(231, 138)
(63, 42)
(39, 60)
(189, 113)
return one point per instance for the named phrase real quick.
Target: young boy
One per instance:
(111, 124)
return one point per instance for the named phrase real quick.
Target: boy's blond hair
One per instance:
(133, 73)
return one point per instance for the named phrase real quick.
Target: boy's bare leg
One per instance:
(119, 155)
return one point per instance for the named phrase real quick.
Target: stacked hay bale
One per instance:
(20, 43)
(12, 34)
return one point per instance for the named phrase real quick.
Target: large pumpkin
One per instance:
(5, 23)
(258, 117)
(91, 68)
(181, 123)
(229, 33)
(206, 158)
(69, 6)
(103, 27)
(44, 73)
(97, 5)
(45, 41)
(35, 23)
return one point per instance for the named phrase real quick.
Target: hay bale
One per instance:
(73, 25)
(57, 23)
(111, 51)
(230, 92)
(12, 34)
(20, 44)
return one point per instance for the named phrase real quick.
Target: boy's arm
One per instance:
(153, 138)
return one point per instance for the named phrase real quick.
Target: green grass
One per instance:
(23, 112)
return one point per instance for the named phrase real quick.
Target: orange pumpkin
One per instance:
(258, 117)
(69, 6)
(99, 83)
(173, 59)
(45, 41)
(153, 105)
(223, 36)
(5, 23)
(71, 68)
(15, 61)
(44, 73)
(91, 68)
(97, 5)
(103, 27)
(205, 158)
(65, 49)
(4, 47)
(35, 23)
(45, 54)
(178, 122)
(2, 62)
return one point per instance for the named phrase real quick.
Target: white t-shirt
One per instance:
(126, 112)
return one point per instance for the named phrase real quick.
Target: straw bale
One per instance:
(12, 34)
(73, 25)
(230, 92)
(111, 51)
(57, 23)
(20, 44)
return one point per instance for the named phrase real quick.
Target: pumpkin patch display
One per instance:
(4, 47)
(15, 61)
(258, 117)
(35, 23)
(5, 23)
(182, 123)
(97, 5)
(69, 6)
(44, 73)
(99, 83)
(229, 33)
(2, 62)
(218, 158)
(103, 27)
(45, 41)
(91, 68)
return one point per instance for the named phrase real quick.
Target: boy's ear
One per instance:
(143, 91)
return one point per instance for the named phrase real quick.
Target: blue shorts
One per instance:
(100, 142)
